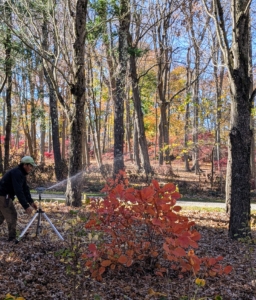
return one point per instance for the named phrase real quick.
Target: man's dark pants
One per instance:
(8, 213)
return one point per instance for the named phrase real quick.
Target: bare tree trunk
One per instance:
(128, 125)
(105, 128)
(74, 184)
(253, 165)
(58, 163)
(94, 114)
(1, 154)
(218, 78)
(63, 137)
(124, 20)
(8, 74)
(25, 124)
(195, 115)
(49, 135)
(136, 151)
(156, 122)
(42, 115)
(187, 113)
(139, 117)
(86, 148)
(32, 110)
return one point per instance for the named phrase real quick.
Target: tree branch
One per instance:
(220, 30)
(191, 83)
(247, 7)
(3, 84)
(252, 96)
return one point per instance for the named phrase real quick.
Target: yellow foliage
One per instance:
(200, 282)
(11, 297)
(151, 292)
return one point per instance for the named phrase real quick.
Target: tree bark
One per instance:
(8, 74)
(74, 183)
(124, 20)
(187, 113)
(136, 151)
(42, 115)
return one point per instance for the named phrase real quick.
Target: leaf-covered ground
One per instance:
(32, 269)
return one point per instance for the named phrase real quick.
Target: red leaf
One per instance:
(227, 269)
(179, 252)
(129, 262)
(159, 273)
(147, 193)
(212, 261)
(118, 189)
(165, 207)
(92, 247)
(196, 236)
(176, 208)
(184, 241)
(101, 270)
(123, 259)
(169, 187)
(175, 195)
(106, 263)
(156, 222)
(155, 184)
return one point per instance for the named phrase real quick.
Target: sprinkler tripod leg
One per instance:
(39, 214)
(27, 227)
(53, 227)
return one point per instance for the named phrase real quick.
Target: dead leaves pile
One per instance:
(31, 269)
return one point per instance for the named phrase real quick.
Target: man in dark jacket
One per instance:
(14, 183)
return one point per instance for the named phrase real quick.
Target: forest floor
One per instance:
(32, 269)
(36, 268)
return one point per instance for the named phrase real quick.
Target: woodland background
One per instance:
(182, 85)
(160, 89)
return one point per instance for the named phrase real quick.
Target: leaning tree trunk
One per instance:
(74, 183)
(139, 116)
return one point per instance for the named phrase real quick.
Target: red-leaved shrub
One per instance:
(143, 229)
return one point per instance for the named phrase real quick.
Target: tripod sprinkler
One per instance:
(40, 190)
(39, 214)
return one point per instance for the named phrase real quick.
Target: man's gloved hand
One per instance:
(29, 210)
(34, 206)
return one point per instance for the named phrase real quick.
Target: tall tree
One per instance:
(135, 52)
(236, 58)
(163, 52)
(8, 93)
(74, 187)
(124, 21)
(50, 76)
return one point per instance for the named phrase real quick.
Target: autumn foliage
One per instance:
(143, 229)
